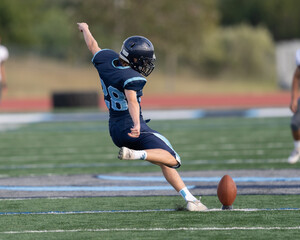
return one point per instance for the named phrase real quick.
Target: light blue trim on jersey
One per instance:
(98, 52)
(134, 79)
(161, 137)
(118, 67)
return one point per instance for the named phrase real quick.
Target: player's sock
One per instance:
(129, 154)
(185, 193)
(297, 145)
(140, 154)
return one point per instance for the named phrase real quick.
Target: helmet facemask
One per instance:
(143, 65)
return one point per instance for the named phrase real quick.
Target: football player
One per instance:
(3, 58)
(122, 78)
(295, 107)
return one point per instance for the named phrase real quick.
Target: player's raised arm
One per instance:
(88, 38)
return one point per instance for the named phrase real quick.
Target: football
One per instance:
(226, 191)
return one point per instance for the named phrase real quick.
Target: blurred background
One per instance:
(218, 47)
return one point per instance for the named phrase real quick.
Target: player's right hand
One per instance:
(82, 26)
(134, 131)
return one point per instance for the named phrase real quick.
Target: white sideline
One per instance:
(22, 118)
(151, 229)
(143, 211)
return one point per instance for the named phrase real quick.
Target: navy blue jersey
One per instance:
(114, 80)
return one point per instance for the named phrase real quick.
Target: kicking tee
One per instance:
(115, 78)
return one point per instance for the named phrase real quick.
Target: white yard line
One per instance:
(142, 211)
(151, 229)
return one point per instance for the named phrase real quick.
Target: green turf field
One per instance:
(204, 144)
(262, 224)
(85, 147)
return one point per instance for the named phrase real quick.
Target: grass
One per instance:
(39, 77)
(139, 225)
(204, 144)
(141, 203)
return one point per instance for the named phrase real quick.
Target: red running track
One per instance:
(280, 99)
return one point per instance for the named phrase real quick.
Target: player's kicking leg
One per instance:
(173, 177)
(165, 160)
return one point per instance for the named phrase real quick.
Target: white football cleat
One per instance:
(126, 154)
(294, 157)
(196, 206)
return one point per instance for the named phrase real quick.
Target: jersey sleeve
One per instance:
(298, 57)
(102, 56)
(135, 83)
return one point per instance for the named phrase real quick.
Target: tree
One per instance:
(176, 27)
(280, 17)
(16, 19)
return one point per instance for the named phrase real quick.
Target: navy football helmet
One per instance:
(138, 52)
